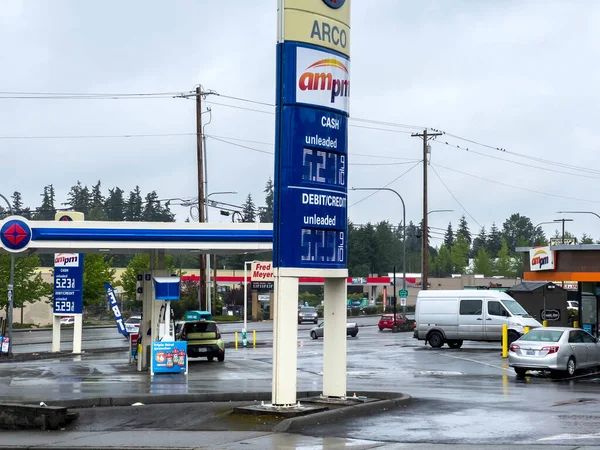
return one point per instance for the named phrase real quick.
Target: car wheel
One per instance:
(380, 329)
(353, 334)
(571, 366)
(315, 322)
(520, 371)
(221, 357)
(436, 340)
(455, 344)
(313, 335)
(512, 337)
(210, 358)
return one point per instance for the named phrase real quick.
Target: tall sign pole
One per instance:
(311, 171)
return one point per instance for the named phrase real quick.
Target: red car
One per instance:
(387, 321)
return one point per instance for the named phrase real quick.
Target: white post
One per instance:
(334, 342)
(77, 332)
(245, 293)
(208, 286)
(56, 333)
(285, 339)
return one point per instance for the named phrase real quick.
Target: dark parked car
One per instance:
(307, 314)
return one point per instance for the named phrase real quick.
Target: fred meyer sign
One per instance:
(311, 158)
(541, 258)
(261, 275)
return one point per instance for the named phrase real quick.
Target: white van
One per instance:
(471, 315)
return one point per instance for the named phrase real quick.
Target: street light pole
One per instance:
(11, 288)
(579, 212)
(208, 284)
(535, 228)
(403, 242)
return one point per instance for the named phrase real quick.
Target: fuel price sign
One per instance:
(68, 280)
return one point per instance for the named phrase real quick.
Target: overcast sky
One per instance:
(519, 75)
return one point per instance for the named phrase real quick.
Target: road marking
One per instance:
(570, 436)
(478, 362)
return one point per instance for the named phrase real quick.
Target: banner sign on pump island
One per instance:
(311, 158)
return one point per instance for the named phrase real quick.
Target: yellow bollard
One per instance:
(545, 323)
(253, 338)
(504, 340)
(575, 324)
(525, 330)
(236, 340)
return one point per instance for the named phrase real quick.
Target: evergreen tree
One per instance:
(114, 205)
(249, 210)
(460, 254)
(482, 264)
(449, 237)
(585, 239)
(133, 209)
(504, 265)
(79, 198)
(479, 242)
(266, 212)
(47, 210)
(443, 262)
(17, 206)
(494, 241)
(463, 229)
(152, 210)
(97, 211)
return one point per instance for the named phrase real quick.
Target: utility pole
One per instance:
(201, 216)
(425, 249)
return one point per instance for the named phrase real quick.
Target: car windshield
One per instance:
(515, 308)
(133, 320)
(575, 304)
(387, 317)
(542, 336)
(308, 310)
(200, 327)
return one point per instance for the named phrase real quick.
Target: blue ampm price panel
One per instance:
(68, 283)
(311, 176)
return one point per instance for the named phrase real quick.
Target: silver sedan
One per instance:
(317, 332)
(554, 349)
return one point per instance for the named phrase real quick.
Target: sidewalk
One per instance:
(225, 440)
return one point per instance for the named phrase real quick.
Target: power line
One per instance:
(391, 182)
(515, 162)
(454, 197)
(518, 187)
(520, 155)
(240, 145)
(99, 136)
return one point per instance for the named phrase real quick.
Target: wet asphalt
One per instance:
(464, 396)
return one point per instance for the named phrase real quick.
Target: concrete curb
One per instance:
(388, 400)
(21, 357)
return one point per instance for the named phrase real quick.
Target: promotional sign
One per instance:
(169, 357)
(114, 306)
(551, 315)
(167, 288)
(541, 258)
(68, 283)
(565, 241)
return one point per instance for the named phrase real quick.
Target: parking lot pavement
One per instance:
(461, 396)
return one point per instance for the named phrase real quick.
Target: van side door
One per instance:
(496, 316)
(470, 319)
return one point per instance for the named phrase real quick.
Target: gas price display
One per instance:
(324, 167)
(68, 281)
(323, 245)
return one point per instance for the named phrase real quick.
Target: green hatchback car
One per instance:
(203, 340)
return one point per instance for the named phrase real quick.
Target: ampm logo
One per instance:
(335, 4)
(66, 260)
(314, 79)
(540, 258)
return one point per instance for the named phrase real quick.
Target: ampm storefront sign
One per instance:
(311, 162)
